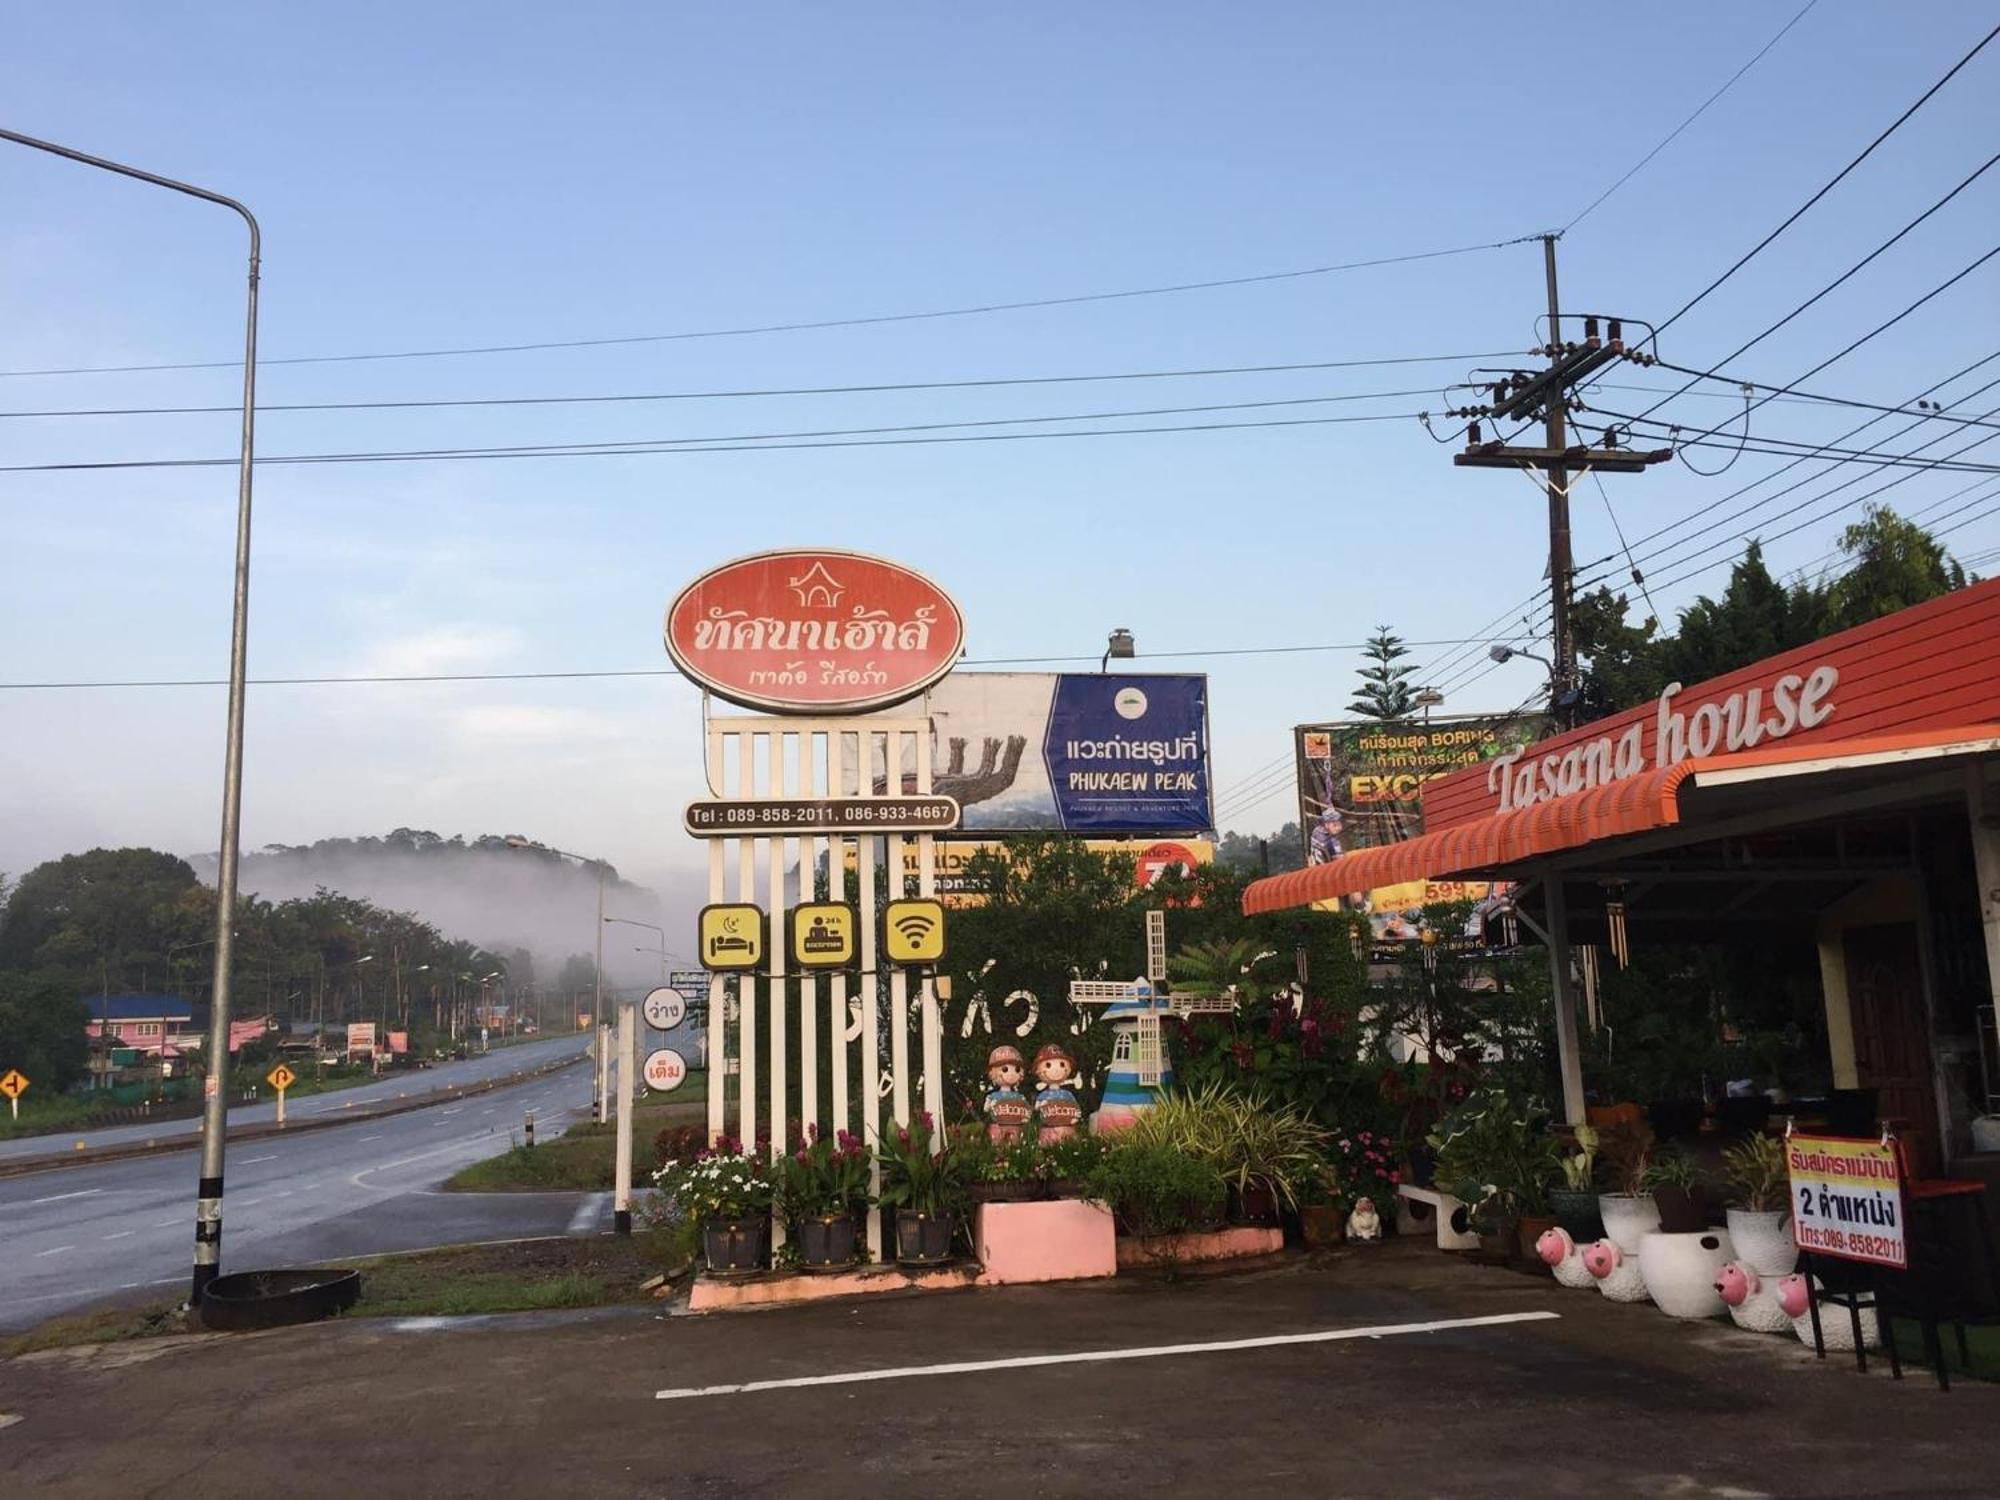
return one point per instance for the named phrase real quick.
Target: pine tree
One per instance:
(1385, 687)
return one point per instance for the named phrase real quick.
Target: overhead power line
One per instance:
(1798, 213)
(1700, 110)
(621, 398)
(974, 310)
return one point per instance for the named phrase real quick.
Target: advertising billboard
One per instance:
(1074, 752)
(1361, 785)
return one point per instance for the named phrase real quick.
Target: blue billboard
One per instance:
(1086, 753)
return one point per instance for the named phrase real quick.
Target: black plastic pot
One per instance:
(272, 1299)
(734, 1246)
(1683, 1210)
(922, 1239)
(1576, 1210)
(826, 1242)
(1675, 1119)
(1255, 1204)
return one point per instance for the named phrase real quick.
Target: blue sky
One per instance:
(445, 175)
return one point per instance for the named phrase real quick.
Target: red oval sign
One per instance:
(814, 632)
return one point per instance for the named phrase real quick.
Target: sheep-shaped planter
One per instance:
(1563, 1256)
(1753, 1303)
(1616, 1272)
(1836, 1325)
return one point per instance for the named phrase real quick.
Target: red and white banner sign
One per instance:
(814, 632)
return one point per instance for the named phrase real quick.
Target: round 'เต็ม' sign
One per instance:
(665, 1069)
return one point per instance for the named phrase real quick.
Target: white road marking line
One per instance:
(123, 1234)
(60, 1196)
(371, 1138)
(587, 1213)
(249, 1202)
(251, 1161)
(39, 1254)
(1093, 1356)
(166, 1223)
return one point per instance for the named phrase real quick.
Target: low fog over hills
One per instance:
(484, 891)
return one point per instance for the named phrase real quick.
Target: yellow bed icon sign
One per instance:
(729, 936)
(913, 932)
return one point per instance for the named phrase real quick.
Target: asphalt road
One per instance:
(82, 1234)
(1390, 1373)
(398, 1086)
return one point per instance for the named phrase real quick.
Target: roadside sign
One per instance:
(665, 1008)
(823, 935)
(13, 1083)
(281, 1078)
(665, 1070)
(692, 983)
(913, 931)
(1847, 1199)
(730, 936)
(720, 818)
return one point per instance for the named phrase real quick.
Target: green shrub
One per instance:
(1156, 1190)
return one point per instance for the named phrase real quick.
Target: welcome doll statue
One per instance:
(1006, 1105)
(1055, 1104)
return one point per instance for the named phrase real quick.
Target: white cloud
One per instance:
(518, 722)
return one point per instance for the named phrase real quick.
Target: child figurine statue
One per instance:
(1006, 1105)
(1055, 1104)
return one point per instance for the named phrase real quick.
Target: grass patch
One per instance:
(525, 1276)
(582, 1159)
(1982, 1342)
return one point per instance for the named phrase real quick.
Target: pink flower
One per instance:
(1396, 1176)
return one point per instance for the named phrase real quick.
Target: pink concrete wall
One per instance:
(1064, 1239)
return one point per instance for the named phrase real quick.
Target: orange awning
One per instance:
(1638, 804)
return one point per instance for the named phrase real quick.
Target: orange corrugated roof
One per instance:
(1638, 804)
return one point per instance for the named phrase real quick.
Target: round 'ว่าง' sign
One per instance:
(814, 632)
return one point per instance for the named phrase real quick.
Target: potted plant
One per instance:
(822, 1190)
(1154, 1190)
(1675, 1180)
(1066, 1165)
(925, 1181)
(1009, 1171)
(1760, 1218)
(1322, 1214)
(729, 1195)
(1495, 1155)
(1574, 1200)
(1625, 1152)
(1267, 1151)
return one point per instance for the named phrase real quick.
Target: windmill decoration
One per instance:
(1140, 1070)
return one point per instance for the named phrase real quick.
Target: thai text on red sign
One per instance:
(814, 632)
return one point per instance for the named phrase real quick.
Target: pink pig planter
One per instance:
(1562, 1256)
(1616, 1272)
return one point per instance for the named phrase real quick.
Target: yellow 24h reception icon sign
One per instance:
(824, 935)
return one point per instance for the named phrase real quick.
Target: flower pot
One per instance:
(1255, 1204)
(1009, 1190)
(736, 1245)
(1680, 1271)
(1683, 1210)
(1528, 1232)
(1628, 1218)
(1764, 1240)
(826, 1242)
(1576, 1210)
(922, 1239)
(1323, 1225)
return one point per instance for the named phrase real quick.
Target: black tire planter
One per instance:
(735, 1247)
(923, 1239)
(271, 1299)
(826, 1243)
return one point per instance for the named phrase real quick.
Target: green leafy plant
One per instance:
(1496, 1155)
(1072, 1160)
(1672, 1167)
(721, 1183)
(1154, 1189)
(1578, 1166)
(925, 1175)
(1755, 1172)
(824, 1175)
(1246, 1139)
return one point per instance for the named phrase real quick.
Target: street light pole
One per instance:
(215, 1097)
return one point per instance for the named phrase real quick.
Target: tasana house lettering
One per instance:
(1738, 721)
